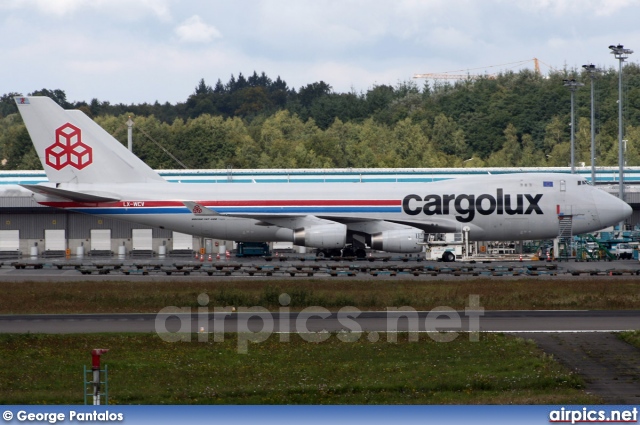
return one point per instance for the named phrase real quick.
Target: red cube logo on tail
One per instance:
(68, 149)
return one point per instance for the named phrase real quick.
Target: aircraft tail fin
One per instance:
(74, 149)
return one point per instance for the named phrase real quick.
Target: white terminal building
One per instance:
(28, 228)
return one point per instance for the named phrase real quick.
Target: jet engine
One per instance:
(402, 240)
(329, 236)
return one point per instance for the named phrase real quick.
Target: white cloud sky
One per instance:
(135, 51)
(193, 30)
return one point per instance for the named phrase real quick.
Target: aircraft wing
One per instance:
(69, 194)
(294, 221)
(366, 225)
(439, 225)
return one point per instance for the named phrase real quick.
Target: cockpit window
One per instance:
(581, 182)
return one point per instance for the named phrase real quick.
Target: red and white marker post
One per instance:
(95, 367)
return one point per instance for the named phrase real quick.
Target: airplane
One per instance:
(90, 172)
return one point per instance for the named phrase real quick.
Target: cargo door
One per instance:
(54, 240)
(182, 241)
(101, 239)
(142, 239)
(9, 240)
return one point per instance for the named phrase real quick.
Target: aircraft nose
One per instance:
(611, 209)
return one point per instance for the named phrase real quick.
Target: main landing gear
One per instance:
(346, 252)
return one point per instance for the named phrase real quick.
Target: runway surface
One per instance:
(323, 320)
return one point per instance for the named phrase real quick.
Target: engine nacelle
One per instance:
(321, 236)
(403, 240)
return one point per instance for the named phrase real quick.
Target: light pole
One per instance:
(621, 54)
(592, 70)
(572, 85)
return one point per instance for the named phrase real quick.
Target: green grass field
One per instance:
(152, 296)
(47, 369)
(632, 337)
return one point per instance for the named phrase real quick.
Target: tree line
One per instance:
(515, 119)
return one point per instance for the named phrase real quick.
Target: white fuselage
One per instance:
(494, 207)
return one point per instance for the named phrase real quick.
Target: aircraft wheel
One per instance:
(321, 254)
(361, 253)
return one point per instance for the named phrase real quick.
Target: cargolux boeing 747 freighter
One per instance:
(91, 172)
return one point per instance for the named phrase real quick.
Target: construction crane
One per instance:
(451, 75)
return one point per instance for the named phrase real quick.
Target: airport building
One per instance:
(30, 229)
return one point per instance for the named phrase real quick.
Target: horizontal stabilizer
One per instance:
(198, 209)
(68, 194)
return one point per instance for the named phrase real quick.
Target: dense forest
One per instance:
(510, 120)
